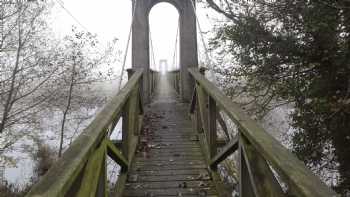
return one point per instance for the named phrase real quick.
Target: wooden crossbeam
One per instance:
(66, 171)
(117, 156)
(222, 123)
(301, 180)
(231, 147)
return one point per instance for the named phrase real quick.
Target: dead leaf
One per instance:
(133, 178)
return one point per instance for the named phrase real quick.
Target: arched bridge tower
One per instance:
(187, 37)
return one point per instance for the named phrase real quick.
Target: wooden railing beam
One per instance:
(65, 173)
(117, 156)
(292, 170)
(231, 147)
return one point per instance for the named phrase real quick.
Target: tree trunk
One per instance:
(8, 103)
(65, 113)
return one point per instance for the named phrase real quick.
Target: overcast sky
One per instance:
(112, 18)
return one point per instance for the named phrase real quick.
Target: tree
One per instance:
(26, 67)
(84, 67)
(296, 52)
(40, 74)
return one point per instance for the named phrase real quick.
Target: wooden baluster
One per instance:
(198, 120)
(130, 122)
(137, 111)
(153, 81)
(202, 108)
(92, 173)
(173, 80)
(102, 188)
(140, 111)
(125, 130)
(212, 137)
(125, 126)
(177, 80)
(150, 82)
(133, 120)
(246, 188)
(262, 178)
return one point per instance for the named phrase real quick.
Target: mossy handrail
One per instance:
(258, 151)
(153, 80)
(81, 171)
(174, 79)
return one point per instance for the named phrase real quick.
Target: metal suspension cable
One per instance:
(201, 35)
(127, 46)
(152, 48)
(59, 2)
(175, 48)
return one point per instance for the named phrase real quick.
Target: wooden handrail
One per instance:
(153, 80)
(174, 79)
(254, 142)
(71, 174)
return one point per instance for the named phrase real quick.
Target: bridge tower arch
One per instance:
(187, 42)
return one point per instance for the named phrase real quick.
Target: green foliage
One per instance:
(299, 52)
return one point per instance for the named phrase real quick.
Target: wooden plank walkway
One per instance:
(169, 161)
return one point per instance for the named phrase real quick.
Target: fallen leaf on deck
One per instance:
(133, 178)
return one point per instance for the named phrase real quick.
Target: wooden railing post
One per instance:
(176, 82)
(202, 70)
(208, 113)
(202, 107)
(155, 80)
(102, 187)
(212, 137)
(151, 82)
(81, 171)
(125, 129)
(178, 78)
(130, 72)
(174, 79)
(125, 122)
(197, 122)
(261, 157)
(246, 188)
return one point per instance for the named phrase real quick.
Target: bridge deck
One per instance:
(169, 161)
